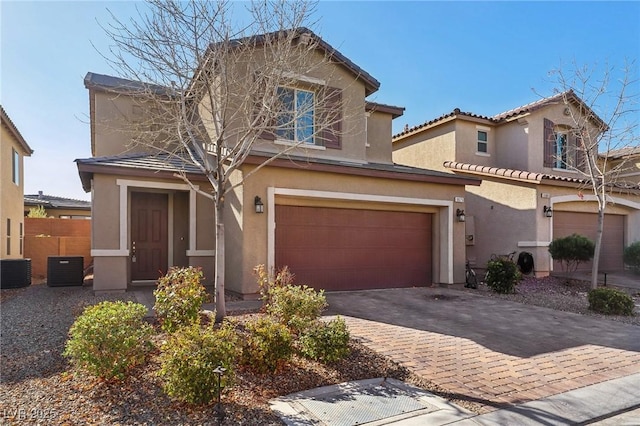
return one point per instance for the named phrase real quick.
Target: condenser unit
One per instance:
(65, 271)
(15, 273)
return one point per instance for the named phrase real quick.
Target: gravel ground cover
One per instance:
(37, 385)
(557, 293)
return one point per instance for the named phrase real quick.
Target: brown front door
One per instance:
(350, 249)
(149, 239)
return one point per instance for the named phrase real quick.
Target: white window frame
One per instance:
(295, 141)
(15, 166)
(486, 131)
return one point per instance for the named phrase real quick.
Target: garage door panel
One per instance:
(340, 249)
(567, 223)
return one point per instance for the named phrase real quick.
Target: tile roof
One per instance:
(51, 201)
(616, 154)
(144, 161)
(507, 115)
(106, 82)
(4, 117)
(523, 175)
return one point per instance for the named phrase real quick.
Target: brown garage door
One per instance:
(567, 223)
(346, 249)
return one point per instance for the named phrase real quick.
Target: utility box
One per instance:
(15, 273)
(65, 271)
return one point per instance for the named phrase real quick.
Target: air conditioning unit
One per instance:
(15, 273)
(65, 271)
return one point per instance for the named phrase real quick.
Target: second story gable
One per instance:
(333, 93)
(540, 137)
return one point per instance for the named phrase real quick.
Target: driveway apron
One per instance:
(488, 350)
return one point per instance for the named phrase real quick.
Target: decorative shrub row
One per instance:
(111, 337)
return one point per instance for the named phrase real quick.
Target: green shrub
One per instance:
(572, 250)
(502, 276)
(190, 356)
(268, 344)
(610, 301)
(631, 257)
(266, 281)
(296, 306)
(179, 298)
(109, 338)
(328, 342)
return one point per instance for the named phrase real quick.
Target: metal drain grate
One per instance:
(363, 404)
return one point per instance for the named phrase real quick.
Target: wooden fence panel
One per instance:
(55, 237)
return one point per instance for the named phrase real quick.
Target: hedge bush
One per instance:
(572, 250)
(190, 356)
(325, 341)
(631, 257)
(502, 276)
(267, 345)
(109, 338)
(179, 298)
(610, 301)
(297, 307)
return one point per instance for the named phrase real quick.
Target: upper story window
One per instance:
(561, 147)
(296, 121)
(15, 175)
(482, 141)
(561, 150)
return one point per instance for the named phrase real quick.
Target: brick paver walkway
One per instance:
(464, 367)
(487, 374)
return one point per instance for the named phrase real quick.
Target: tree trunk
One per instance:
(221, 310)
(596, 252)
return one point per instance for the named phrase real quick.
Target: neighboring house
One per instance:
(13, 149)
(626, 162)
(58, 207)
(340, 215)
(529, 195)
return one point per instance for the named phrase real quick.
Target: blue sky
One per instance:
(430, 57)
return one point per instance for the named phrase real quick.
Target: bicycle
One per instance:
(508, 256)
(471, 281)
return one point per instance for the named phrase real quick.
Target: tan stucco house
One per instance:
(340, 215)
(13, 149)
(626, 163)
(529, 193)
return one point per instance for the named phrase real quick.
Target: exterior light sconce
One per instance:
(460, 215)
(547, 211)
(259, 206)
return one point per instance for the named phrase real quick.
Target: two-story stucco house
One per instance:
(13, 149)
(529, 193)
(339, 213)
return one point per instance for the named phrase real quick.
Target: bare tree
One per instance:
(213, 90)
(613, 96)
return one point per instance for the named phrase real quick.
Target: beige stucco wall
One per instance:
(378, 135)
(11, 197)
(253, 242)
(111, 260)
(428, 149)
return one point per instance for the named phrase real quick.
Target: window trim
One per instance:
(295, 141)
(486, 131)
(15, 166)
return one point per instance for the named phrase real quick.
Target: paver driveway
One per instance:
(489, 350)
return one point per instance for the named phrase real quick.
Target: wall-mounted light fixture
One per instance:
(259, 206)
(460, 215)
(547, 211)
